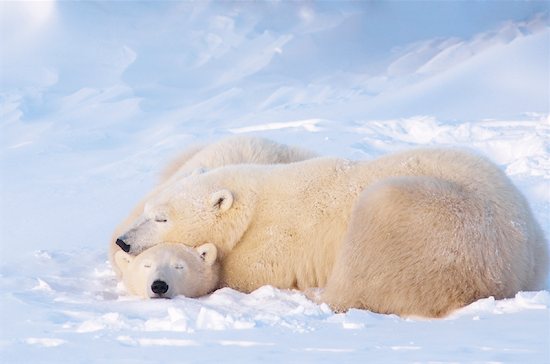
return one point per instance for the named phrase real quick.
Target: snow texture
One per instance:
(95, 97)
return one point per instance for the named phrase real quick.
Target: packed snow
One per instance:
(95, 97)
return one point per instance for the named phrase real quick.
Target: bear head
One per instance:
(167, 270)
(199, 209)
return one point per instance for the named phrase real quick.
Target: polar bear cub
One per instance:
(168, 270)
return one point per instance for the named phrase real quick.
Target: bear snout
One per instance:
(123, 245)
(159, 287)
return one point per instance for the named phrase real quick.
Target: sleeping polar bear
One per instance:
(421, 232)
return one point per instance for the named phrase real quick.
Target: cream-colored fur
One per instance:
(197, 159)
(416, 233)
(192, 272)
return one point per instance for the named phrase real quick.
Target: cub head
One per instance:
(170, 269)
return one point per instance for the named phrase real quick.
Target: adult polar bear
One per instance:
(416, 233)
(232, 150)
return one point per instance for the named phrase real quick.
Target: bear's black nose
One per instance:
(159, 287)
(123, 245)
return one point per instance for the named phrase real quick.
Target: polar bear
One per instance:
(232, 150)
(420, 232)
(168, 270)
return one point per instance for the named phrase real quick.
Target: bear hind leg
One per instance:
(405, 250)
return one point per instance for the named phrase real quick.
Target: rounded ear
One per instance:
(122, 259)
(208, 253)
(221, 200)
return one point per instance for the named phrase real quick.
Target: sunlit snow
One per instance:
(95, 97)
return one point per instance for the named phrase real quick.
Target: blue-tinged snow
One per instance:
(95, 97)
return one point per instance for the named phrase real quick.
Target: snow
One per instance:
(95, 97)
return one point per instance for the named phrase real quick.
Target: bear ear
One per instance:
(208, 253)
(122, 259)
(221, 200)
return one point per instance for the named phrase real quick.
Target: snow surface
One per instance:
(96, 96)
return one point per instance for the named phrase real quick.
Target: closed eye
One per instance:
(161, 220)
(147, 265)
(179, 266)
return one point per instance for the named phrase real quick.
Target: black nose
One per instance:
(123, 245)
(159, 287)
